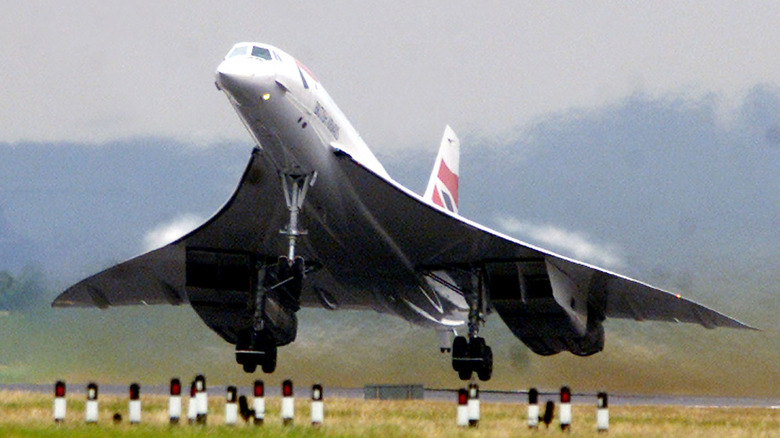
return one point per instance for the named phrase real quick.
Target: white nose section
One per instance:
(245, 80)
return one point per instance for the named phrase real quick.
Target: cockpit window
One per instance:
(254, 51)
(262, 53)
(238, 51)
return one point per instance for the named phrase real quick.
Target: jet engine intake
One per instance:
(545, 307)
(222, 287)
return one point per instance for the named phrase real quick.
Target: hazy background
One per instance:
(642, 139)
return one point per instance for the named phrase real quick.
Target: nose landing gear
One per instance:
(277, 298)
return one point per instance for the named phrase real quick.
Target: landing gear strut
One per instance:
(277, 293)
(276, 299)
(471, 354)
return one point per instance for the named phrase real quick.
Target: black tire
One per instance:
(477, 348)
(269, 362)
(250, 367)
(485, 370)
(460, 347)
(464, 374)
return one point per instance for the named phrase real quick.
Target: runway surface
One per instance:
(438, 394)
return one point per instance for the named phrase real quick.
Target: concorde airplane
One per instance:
(317, 221)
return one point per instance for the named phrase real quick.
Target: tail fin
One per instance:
(443, 185)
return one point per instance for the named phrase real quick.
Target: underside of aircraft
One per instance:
(316, 221)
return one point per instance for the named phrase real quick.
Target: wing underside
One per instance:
(247, 223)
(436, 239)
(429, 239)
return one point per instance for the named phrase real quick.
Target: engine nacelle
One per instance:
(222, 288)
(546, 308)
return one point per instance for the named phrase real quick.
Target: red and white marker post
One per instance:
(60, 405)
(288, 403)
(192, 405)
(473, 405)
(463, 409)
(174, 402)
(231, 408)
(602, 413)
(317, 406)
(91, 409)
(134, 406)
(565, 411)
(258, 404)
(533, 408)
(202, 399)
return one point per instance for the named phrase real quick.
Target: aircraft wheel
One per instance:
(464, 374)
(250, 367)
(485, 371)
(477, 348)
(298, 268)
(269, 362)
(460, 348)
(283, 264)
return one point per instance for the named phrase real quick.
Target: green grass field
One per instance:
(30, 415)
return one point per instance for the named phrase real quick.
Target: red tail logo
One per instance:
(450, 181)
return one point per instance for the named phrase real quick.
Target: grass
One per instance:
(25, 414)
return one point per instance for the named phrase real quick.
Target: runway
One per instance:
(442, 394)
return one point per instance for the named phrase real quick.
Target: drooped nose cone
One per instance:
(245, 80)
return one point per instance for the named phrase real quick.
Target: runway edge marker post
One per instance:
(602, 413)
(60, 404)
(134, 405)
(174, 402)
(231, 408)
(533, 408)
(565, 410)
(317, 406)
(258, 403)
(462, 418)
(473, 405)
(202, 400)
(91, 409)
(192, 404)
(288, 403)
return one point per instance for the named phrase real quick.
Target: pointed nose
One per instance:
(232, 75)
(244, 81)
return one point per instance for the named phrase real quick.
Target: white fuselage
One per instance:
(271, 96)
(299, 129)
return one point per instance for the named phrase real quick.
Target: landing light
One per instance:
(266, 96)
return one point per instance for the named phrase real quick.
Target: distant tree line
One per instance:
(23, 291)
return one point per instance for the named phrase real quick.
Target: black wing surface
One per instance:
(429, 237)
(248, 222)
(434, 238)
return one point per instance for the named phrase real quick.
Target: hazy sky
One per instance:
(96, 71)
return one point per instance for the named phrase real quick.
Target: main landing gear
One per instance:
(471, 354)
(276, 299)
(276, 296)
